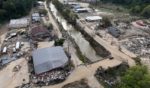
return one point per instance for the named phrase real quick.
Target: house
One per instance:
(114, 31)
(18, 23)
(39, 32)
(93, 18)
(36, 17)
(47, 59)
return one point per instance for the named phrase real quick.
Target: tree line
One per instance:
(138, 7)
(65, 11)
(14, 8)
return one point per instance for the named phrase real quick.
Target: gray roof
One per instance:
(114, 31)
(46, 59)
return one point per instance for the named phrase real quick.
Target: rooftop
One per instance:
(46, 59)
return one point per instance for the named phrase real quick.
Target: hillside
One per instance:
(138, 7)
(14, 8)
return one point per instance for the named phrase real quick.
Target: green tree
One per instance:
(43, 11)
(146, 11)
(106, 22)
(10, 9)
(136, 77)
(136, 9)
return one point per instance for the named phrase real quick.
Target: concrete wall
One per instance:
(100, 50)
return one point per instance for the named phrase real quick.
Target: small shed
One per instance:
(19, 23)
(93, 18)
(46, 59)
(114, 31)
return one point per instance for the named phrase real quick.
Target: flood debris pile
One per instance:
(49, 66)
(49, 78)
(39, 33)
(77, 84)
(28, 85)
(138, 45)
(111, 76)
(12, 46)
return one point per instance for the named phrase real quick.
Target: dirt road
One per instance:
(51, 20)
(114, 51)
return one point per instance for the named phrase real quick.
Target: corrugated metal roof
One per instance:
(17, 23)
(93, 18)
(46, 59)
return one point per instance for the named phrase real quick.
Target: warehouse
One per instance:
(47, 59)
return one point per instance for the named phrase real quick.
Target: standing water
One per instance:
(83, 44)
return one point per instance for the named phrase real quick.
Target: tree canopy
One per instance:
(14, 8)
(138, 7)
(136, 77)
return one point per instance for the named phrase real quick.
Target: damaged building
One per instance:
(39, 33)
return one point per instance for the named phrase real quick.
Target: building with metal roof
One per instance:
(47, 59)
(19, 23)
(81, 10)
(93, 18)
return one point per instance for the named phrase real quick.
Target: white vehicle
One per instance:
(17, 45)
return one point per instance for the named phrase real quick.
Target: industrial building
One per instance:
(47, 59)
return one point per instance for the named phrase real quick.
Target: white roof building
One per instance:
(19, 23)
(93, 18)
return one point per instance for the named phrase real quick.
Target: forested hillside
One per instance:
(139, 7)
(14, 8)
